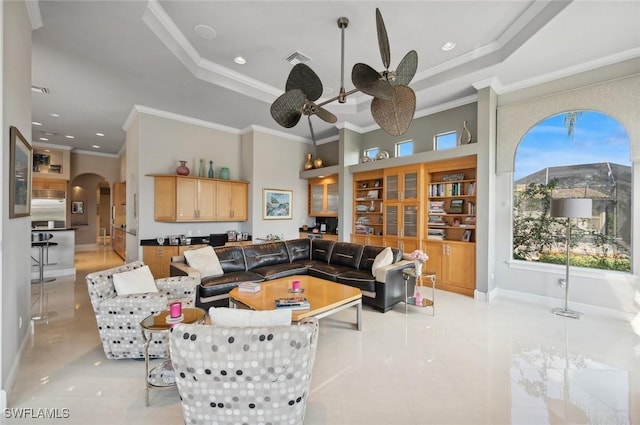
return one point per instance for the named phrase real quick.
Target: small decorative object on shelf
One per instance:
(210, 169)
(201, 170)
(382, 155)
(318, 163)
(308, 163)
(365, 159)
(224, 173)
(182, 169)
(419, 257)
(465, 135)
(417, 297)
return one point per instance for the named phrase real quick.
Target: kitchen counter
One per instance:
(61, 256)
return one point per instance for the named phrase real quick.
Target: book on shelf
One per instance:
(293, 303)
(436, 207)
(249, 287)
(456, 206)
(438, 234)
(471, 209)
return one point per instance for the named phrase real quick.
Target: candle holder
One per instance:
(295, 287)
(175, 312)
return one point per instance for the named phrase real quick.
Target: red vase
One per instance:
(182, 169)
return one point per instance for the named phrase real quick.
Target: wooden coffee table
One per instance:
(325, 297)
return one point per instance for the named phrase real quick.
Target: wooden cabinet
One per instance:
(48, 184)
(403, 207)
(231, 200)
(368, 204)
(367, 240)
(118, 242)
(451, 223)
(454, 263)
(323, 197)
(119, 197)
(158, 257)
(192, 199)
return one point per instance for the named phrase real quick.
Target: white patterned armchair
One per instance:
(119, 316)
(234, 375)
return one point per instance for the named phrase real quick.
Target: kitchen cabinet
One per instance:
(118, 242)
(158, 257)
(231, 200)
(454, 264)
(48, 184)
(192, 199)
(119, 198)
(323, 197)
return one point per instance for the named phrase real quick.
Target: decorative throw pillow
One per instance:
(383, 259)
(236, 317)
(137, 281)
(205, 261)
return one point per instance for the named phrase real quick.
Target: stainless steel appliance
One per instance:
(49, 205)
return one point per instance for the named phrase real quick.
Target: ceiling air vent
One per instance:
(296, 58)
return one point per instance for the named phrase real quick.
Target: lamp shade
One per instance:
(571, 208)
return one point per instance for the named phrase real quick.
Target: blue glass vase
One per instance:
(210, 175)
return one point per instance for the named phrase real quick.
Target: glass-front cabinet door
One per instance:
(391, 225)
(410, 221)
(410, 186)
(332, 199)
(392, 191)
(317, 199)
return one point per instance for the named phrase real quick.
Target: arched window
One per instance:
(576, 154)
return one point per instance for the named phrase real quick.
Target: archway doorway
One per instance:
(89, 199)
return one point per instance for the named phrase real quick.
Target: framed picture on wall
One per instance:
(77, 207)
(277, 204)
(20, 156)
(466, 236)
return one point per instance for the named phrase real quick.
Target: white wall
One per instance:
(15, 246)
(592, 288)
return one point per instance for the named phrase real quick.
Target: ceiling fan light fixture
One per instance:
(297, 57)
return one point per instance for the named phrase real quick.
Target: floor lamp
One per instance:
(569, 208)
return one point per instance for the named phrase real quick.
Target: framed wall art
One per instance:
(77, 207)
(20, 157)
(277, 204)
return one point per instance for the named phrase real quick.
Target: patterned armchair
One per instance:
(233, 375)
(119, 317)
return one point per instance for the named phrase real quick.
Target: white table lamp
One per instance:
(569, 208)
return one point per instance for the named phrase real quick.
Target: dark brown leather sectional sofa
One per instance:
(342, 262)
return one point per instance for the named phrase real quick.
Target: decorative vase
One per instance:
(182, 169)
(309, 163)
(465, 135)
(224, 173)
(318, 163)
(372, 207)
(417, 264)
(418, 297)
(201, 170)
(210, 169)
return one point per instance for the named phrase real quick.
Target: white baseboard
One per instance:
(11, 376)
(55, 273)
(554, 302)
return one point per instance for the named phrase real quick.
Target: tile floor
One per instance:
(473, 363)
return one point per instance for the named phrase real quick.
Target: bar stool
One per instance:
(43, 243)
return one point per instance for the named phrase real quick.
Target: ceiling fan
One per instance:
(394, 102)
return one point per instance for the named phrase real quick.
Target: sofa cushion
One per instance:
(361, 279)
(383, 259)
(321, 250)
(346, 254)
(281, 270)
(327, 271)
(299, 249)
(238, 317)
(266, 254)
(231, 258)
(218, 285)
(204, 260)
(137, 281)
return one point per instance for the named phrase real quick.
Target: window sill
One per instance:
(561, 270)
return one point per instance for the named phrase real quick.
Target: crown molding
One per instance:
(51, 146)
(139, 109)
(265, 130)
(92, 153)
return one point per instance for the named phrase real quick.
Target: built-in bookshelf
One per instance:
(451, 205)
(368, 204)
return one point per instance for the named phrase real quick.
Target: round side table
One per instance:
(410, 300)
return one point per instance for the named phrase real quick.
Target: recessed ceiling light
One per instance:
(449, 45)
(69, 137)
(44, 139)
(54, 115)
(100, 134)
(96, 146)
(47, 150)
(240, 60)
(40, 89)
(48, 133)
(36, 123)
(205, 32)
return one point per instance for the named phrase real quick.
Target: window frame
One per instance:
(440, 135)
(398, 145)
